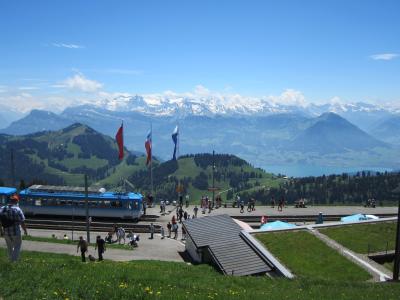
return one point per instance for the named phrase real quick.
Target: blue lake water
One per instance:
(313, 170)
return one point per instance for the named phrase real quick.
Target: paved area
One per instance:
(155, 249)
(269, 211)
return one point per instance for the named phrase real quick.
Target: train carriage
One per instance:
(70, 201)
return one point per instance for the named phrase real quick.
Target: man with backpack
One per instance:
(12, 218)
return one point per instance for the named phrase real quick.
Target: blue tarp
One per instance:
(7, 191)
(354, 218)
(276, 225)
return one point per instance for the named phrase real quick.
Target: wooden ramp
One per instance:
(219, 238)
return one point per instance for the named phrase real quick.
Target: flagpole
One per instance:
(177, 157)
(151, 158)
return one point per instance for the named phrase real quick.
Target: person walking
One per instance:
(83, 245)
(151, 231)
(185, 215)
(281, 204)
(100, 247)
(241, 206)
(180, 214)
(195, 210)
(175, 229)
(12, 218)
(169, 227)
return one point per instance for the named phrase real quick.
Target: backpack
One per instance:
(4, 218)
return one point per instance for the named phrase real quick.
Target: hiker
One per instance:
(100, 247)
(151, 231)
(195, 210)
(83, 245)
(12, 218)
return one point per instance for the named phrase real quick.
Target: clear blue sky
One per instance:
(321, 48)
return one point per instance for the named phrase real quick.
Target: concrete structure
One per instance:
(220, 241)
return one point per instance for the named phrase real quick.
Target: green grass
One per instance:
(358, 237)
(389, 265)
(56, 276)
(308, 257)
(69, 242)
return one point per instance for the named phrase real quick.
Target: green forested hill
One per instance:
(63, 157)
(59, 157)
(194, 173)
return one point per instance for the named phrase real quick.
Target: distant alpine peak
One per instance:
(170, 103)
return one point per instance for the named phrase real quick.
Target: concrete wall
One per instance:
(191, 249)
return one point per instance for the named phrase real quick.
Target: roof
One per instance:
(76, 192)
(222, 236)
(7, 190)
(277, 225)
(59, 188)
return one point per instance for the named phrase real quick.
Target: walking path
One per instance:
(155, 249)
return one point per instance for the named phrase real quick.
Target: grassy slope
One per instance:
(53, 276)
(357, 237)
(123, 170)
(188, 168)
(308, 257)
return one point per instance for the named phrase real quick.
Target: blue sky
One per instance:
(54, 51)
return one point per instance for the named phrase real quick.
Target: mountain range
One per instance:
(263, 132)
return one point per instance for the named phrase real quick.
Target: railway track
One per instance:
(99, 225)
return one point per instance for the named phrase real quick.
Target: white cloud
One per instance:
(69, 46)
(81, 83)
(289, 97)
(384, 56)
(202, 91)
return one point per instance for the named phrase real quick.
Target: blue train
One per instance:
(67, 201)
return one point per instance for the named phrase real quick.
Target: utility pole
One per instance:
(213, 181)
(12, 168)
(397, 251)
(87, 210)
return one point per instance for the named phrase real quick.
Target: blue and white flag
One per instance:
(175, 134)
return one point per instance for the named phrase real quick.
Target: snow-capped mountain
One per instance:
(181, 106)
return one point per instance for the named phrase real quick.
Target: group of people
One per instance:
(281, 203)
